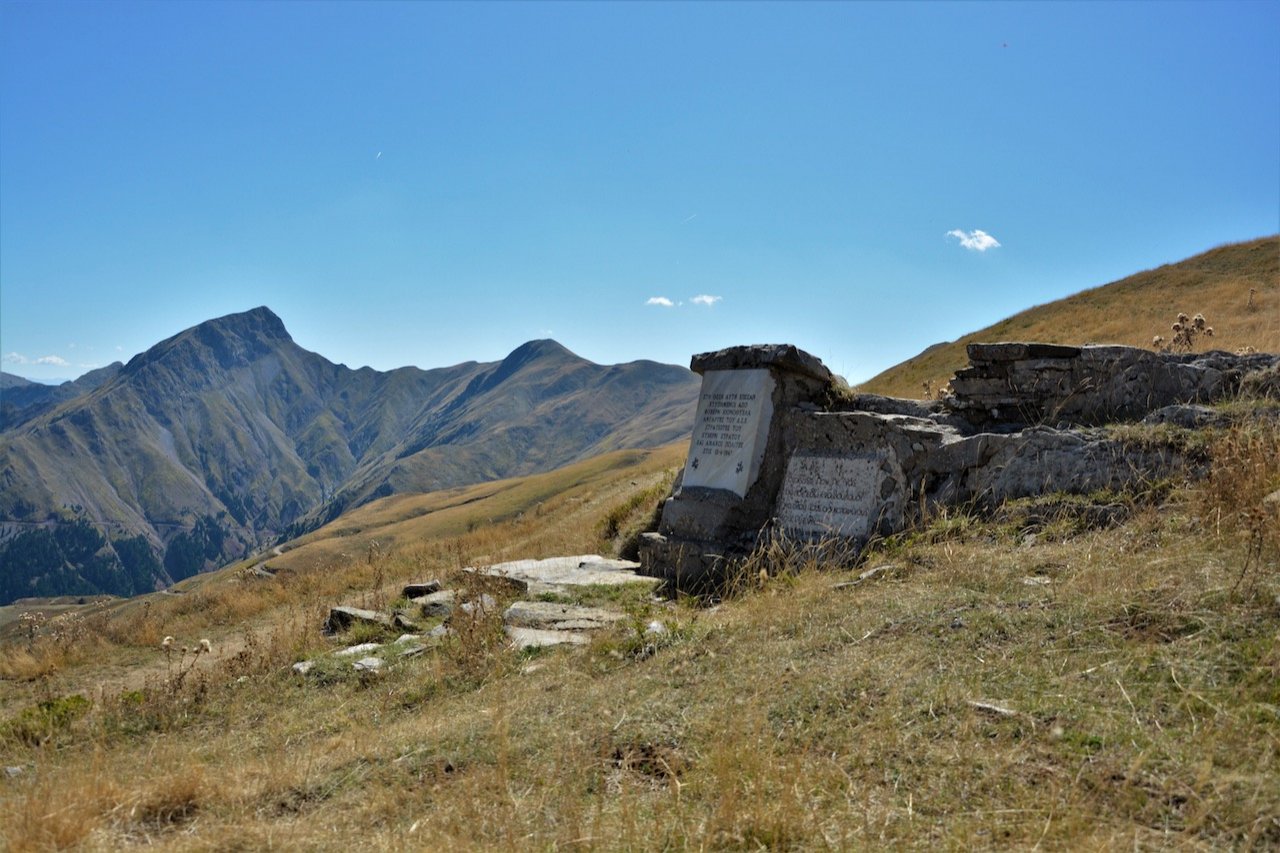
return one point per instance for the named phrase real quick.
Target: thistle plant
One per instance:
(176, 672)
(1186, 330)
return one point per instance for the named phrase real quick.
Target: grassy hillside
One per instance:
(1021, 681)
(1130, 311)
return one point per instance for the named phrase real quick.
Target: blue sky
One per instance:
(428, 183)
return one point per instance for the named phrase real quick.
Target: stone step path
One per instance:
(527, 624)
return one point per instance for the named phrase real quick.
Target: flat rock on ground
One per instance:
(549, 615)
(533, 638)
(341, 618)
(559, 572)
(437, 603)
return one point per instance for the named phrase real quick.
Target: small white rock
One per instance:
(302, 667)
(352, 651)
(369, 664)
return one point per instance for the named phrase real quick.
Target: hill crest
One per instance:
(1130, 311)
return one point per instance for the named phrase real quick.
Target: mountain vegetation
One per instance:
(227, 436)
(1236, 287)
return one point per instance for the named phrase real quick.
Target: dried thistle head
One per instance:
(1157, 341)
(1208, 331)
(1182, 318)
(166, 643)
(206, 646)
(1199, 321)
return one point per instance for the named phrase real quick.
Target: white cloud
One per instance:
(660, 300)
(704, 299)
(19, 358)
(975, 240)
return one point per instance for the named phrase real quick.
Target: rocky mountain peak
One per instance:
(228, 341)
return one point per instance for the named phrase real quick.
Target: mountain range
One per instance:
(229, 435)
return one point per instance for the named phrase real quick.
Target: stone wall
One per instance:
(1018, 383)
(777, 449)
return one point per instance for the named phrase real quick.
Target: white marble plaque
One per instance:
(730, 430)
(835, 495)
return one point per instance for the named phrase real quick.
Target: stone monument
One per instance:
(777, 453)
(736, 461)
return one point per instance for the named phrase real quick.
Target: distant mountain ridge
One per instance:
(227, 435)
(21, 399)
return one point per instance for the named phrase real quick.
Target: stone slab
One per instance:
(1016, 351)
(830, 495)
(730, 430)
(581, 570)
(437, 603)
(362, 648)
(418, 590)
(786, 357)
(559, 617)
(341, 618)
(533, 638)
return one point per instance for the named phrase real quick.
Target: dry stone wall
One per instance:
(777, 451)
(1019, 383)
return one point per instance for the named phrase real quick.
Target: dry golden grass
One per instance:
(1099, 689)
(1130, 311)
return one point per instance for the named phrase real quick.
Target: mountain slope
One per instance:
(21, 400)
(226, 435)
(1131, 311)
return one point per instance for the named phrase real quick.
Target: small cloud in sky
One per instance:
(19, 358)
(705, 299)
(660, 300)
(975, 240)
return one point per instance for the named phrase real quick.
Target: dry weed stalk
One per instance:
(1237, 497)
